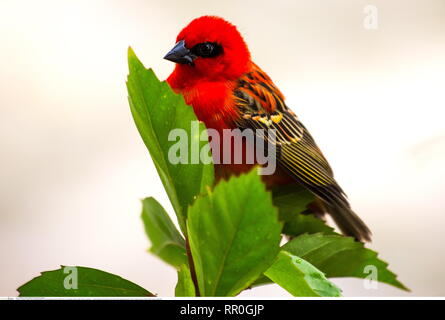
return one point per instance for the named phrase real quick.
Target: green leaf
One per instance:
(234, 235)
(167, 242)
(262, 280)
(297, 225)
(306, 223)
(184, 286)
(157, 110)
(290, 200)
(300, 278)
(339, 256)
(80, 282)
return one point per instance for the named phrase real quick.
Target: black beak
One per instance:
(180, 54)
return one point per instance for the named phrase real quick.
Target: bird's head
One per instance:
(210, 48)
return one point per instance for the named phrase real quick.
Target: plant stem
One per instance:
(192, 267)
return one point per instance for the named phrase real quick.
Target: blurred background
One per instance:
(73, 167)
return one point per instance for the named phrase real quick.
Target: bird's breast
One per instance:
(213, 103)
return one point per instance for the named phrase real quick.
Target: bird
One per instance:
(215, 74)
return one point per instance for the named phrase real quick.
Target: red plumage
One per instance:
(216, 76)
(209, 83)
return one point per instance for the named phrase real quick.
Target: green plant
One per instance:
(230, 234)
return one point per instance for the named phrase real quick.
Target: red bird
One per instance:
(215, 74)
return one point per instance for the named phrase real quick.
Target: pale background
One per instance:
(73, 167)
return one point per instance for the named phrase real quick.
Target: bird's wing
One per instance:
(261, 106)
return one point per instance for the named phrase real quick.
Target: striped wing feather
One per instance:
(261, 106)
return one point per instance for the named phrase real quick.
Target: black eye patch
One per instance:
(207, 49)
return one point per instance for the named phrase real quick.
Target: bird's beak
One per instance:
(180, 54)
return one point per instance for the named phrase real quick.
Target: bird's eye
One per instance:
(207, 49)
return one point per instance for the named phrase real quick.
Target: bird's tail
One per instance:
(349, 222)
